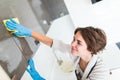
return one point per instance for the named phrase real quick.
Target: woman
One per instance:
(84, 48)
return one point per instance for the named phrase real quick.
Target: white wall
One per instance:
(115, 75)
(104, 14)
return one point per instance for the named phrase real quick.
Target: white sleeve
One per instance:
(60, 46)
(63, 51)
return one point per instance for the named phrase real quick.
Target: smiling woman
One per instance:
(86, 44)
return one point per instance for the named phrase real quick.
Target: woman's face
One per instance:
(78, 45)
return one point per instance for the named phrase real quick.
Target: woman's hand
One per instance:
(17, 29)
(32, 71)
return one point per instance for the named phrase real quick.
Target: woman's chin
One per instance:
(73, 53)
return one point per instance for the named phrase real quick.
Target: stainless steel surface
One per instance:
(15, 52)
(48, 10)
(11, 58)
(35, 14)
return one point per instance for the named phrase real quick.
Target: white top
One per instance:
(99, 72)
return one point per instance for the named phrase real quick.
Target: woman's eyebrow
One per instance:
(79, 41)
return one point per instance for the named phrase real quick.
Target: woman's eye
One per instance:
(79, 42)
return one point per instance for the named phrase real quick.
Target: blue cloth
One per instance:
(32, 71)
(18, 30)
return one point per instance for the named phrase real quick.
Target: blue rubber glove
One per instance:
(17, 29)
(32, 71)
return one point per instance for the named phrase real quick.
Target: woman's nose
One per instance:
(73, 43)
